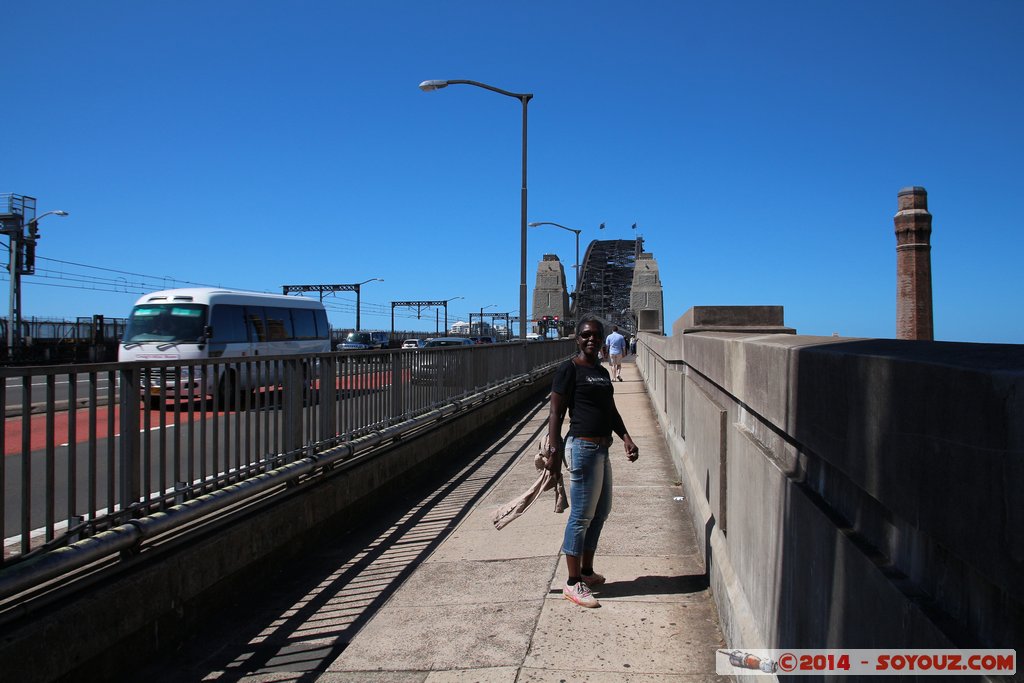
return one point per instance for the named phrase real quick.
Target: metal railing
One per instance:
(64, 341)
(90, 447)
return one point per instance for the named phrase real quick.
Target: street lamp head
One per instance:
(33, 225)
(428, 86)
(534, 225)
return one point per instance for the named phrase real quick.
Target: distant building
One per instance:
(462, 329)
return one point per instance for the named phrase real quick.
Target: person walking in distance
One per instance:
(584, 387)
(616, 348)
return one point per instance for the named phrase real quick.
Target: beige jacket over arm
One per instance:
(545, 482)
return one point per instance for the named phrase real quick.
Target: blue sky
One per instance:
(758, 146)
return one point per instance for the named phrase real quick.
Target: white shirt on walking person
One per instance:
(616, 345)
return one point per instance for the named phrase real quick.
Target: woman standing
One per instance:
(584, 388)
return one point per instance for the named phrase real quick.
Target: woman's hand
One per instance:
(553, 458)
(632, 452)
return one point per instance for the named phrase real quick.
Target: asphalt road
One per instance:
(37, 389)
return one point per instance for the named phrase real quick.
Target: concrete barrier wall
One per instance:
(854, 493)
(110, 628)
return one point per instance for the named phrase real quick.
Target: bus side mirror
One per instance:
(205, 336)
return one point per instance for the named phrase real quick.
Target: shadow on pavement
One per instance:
(291, 625)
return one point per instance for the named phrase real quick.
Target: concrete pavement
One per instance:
(486, 605)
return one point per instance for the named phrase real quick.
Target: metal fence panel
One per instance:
(88, 447)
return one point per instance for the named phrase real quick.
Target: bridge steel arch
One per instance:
(605, 280)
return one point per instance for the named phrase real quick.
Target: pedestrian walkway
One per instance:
(487, 605)
(427, 591)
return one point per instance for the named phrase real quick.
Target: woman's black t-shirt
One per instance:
(589, 393)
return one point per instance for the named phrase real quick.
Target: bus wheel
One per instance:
(309, 382)
(229, 391)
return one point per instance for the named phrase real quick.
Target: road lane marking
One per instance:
(141, 431)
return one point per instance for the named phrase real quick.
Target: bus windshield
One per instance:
(165, 323)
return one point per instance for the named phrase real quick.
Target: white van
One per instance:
(205, 322)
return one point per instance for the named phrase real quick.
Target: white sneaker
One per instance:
(580, 594)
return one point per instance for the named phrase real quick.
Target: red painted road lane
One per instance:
(13, 426)
(61, 421)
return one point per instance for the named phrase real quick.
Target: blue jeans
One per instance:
(590, 494)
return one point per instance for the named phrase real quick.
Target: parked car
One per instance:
(448, 341)
(533, 336)
(487, 340)
(413, 344)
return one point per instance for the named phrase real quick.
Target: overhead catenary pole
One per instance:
(13, 322)
(419, 306)
(323, 289)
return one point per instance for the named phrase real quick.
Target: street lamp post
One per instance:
(429, 86)
(446, 313)
(576, 267)
(16, 268)
(481, 323)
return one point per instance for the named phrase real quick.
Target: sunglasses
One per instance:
(587, 335)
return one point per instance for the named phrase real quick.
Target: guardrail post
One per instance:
(397, 388)
(291, 423)
(327, 393)
(129, 457)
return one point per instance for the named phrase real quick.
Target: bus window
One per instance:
(257, 327)
(165, 323)
(304, 323)
(228, 324)
(279, 323)
(323, 329)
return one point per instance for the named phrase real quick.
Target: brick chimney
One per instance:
(913, 265)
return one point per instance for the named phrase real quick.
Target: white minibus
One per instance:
(205, 322)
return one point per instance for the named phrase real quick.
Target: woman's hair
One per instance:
(591, 320)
